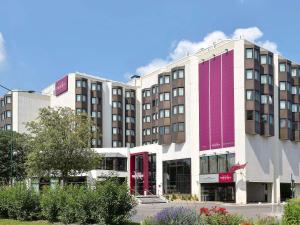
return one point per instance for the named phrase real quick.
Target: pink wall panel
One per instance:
(215, 103)
(228, 99)
(204, 105)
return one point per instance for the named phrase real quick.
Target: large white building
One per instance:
(182, 127)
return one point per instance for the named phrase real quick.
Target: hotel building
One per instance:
(181, 128)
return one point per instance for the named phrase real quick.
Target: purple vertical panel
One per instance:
(215, 103)
(228, 99)
(203, 106)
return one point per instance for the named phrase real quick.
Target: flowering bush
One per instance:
(173, 216)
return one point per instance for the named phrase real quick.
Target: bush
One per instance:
(216, 216)
(173, 216)
(50, 203)
(266, 221)
(115, 202)
(19, 202)
(292, 212)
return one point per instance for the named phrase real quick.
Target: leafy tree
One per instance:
(13, 145)
(60, 144)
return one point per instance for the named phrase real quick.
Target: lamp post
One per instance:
(12, 133)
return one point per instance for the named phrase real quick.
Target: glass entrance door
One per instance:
(139, 175)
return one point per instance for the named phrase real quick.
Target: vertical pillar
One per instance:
(146, 171)
(241, 189)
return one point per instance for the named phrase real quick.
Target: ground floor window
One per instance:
(218, 192)
(177, 176)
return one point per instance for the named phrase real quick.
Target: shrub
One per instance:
(173, 216)
(50, 203)
(292, 212)
(115, 202)
(4, 202)
(216, 216)
(266, 221)
(20, 203)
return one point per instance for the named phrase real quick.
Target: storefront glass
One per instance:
(177, 176)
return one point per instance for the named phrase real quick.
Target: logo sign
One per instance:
(226, 177)
(61, 86)
(211, 178)
(137, 175)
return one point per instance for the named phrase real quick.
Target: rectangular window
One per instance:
(167, 113)
(167, 129)
(175, 110)
(256, 55)
(180, 127)
(222, 165)
(249, 95)
(175, 75)
(282, 123)
(8, 114)
(161, 97)
(294, 107)
(78, 83)
(264, 118)
(249, 53)
(167, 79)
(270, 60)
(181, 91)
(213, 164)
(264, 79)
(114, 91)
(167, 96)
(271, 120)
(78, 98)
(283, 104)
(282, 86)
(263, 59)
(294, 90)
(282, 67)
(94, 86)
(174, 92)
(180, 74)
(264, 99)
(174, 127)
(250, 115)
(294, 72)
(180, 109)
(249, 74)
(161, 80)
(94, 100)
(204, 165)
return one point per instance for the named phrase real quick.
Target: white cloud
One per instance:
(186, 47)
(2, 50)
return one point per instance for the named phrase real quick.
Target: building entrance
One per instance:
(223, 192)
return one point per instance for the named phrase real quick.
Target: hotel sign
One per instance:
(61, 86)
(226, 178)
(217, 178)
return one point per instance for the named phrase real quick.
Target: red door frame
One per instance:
(145, 156)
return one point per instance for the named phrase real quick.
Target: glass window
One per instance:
(250, 115)
(282, 86)
(264, 99)
(271, 119)
(283, 105)
(180, 74)
(249, 74)
(264, 118)
(294, 90)
(175, 110)
(256, 55)
(222, 165)
(294, 107)
(282, 67)
(167, 96)
(161, 80)
(174, 74)
(294, 72)
(174, 127)
(8, 114)
(161, 97)
(167, 129)
(114, 91)
(249, 53)
(181, 91)
(119, 91)
(167, 79)
(94, 87)
(270, 60)
(167, 113)
(174, 92)
(180, 127)
(249, 95)
(213, 164)
(270, 78)
(263, 59)
(204, 165)
(94, 100)
(256, 75)
(8, 100)
(264, 79)
(180, 109)
(78, 98)
(78, 83)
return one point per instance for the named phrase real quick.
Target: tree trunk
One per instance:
(64, 180)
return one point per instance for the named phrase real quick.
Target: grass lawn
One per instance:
(16, 222)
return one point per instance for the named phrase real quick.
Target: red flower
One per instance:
(204, 211)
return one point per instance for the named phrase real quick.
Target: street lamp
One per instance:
(12, 133)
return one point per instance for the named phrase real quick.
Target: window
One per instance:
(263, 59)
(180, 127)
(264, 79)
(167, 129)
(270, 60)
(270, 78)
(94, 100)
(161, 80)
(93, 142)
(249, 74)
(181, 91)
(180, 74)
(153, 90)
(94, 114)
(94, 86)
(282, 67)
(256, 75)
(174, 92)
(294, 107)
(8, 99)
(294, 90)
(175, 127)
(283, 104)
(264, 99)
(93, 128)
(282, 86)
(8, 114)
(167, 79)
(8, 127)
(114, 91)
(271, 119)
(257, 119)
(78, 83)
(249, 95)
(175, 110)
(222, 164)
(175, 75)
(282, 123)
(80, 98)
(119, 91)
(180, 109)
(249, 53)
(256, 55)
(213, 164)
(250, 115)
(264, 118)
(294, 72)
(167, 96)
(167, 113)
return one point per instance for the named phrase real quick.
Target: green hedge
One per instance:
(292, 212)
(110, 203)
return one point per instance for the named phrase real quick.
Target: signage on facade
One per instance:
(61, 86)
(226, 178)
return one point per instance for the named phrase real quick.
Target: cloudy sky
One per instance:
(40, 41)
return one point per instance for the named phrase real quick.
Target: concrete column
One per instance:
(241, 189)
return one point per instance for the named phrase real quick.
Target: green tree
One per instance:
(60, 144)
(13, 145)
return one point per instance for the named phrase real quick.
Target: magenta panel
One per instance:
(204, 105)
(228, 99)
(215, 103)
(61, 86)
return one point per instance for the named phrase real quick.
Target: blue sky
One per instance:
(43, 40)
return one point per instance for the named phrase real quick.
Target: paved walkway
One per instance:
(249, 210)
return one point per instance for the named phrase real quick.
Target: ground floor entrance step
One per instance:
(150, 199)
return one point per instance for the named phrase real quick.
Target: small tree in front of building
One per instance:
(60, 144)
